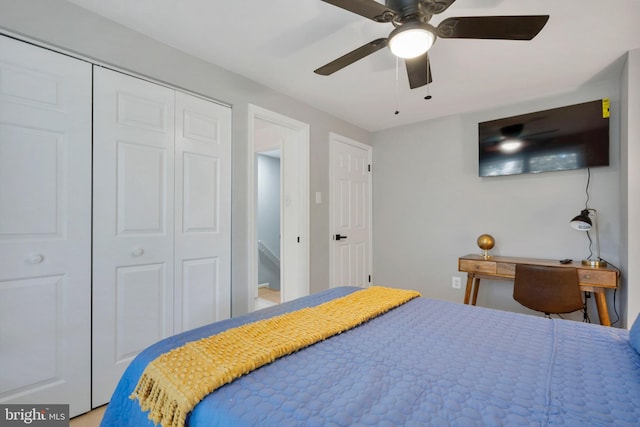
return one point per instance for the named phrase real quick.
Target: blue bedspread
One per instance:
(425, 363)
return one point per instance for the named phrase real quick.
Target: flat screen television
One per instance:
(571, 137)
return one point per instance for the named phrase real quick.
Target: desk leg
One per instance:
(475, 290)
(603, 311)
(467, 292)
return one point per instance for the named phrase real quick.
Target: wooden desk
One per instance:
(596, 280)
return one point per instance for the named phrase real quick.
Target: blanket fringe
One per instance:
(157, 398)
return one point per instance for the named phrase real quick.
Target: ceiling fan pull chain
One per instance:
(397, 87)
(428, 80)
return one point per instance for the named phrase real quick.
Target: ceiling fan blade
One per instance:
(433, 7)
(418, 70)
(367, 8)
(351, 57)
(493, 27)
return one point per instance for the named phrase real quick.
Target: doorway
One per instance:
(269, 190)
(279, 208)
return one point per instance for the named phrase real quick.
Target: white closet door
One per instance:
(203, 212)
(133, 222)
(45, 227)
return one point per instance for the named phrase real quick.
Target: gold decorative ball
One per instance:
(486, 242)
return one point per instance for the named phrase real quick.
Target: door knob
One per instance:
(339, 237)
(35, 259)
(136, 252)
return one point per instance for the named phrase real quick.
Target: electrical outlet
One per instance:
(456, 282)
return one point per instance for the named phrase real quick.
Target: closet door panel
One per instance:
(141, 189)
(133, 221)
(37, 163)
(30, 336)
(201, 279)
(139, 289)
(203, 212)
(45, 227)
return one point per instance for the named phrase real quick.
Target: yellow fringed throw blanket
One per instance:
(173, 384)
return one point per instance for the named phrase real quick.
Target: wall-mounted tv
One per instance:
(571, 137)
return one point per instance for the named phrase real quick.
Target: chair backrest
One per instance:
(547, 289)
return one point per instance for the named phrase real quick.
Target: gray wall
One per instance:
(64, 25)
(430, 205)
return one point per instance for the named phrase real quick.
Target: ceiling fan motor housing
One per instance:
(404, 7)
(422, 8)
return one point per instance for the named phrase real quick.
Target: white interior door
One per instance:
(203, 212)
(45, 227)
(293, 219)
(350, 212)
(133, 222)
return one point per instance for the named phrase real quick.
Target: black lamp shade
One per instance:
(582, 222)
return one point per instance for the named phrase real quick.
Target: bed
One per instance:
(425, 362)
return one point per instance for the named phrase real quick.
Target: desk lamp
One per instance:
(583, 222)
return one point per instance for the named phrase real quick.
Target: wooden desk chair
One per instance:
(551, 290)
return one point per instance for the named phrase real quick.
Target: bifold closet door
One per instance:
(45, 227)
(133, 222)
(203, 212)
(161, 221)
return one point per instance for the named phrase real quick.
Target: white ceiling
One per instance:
(280, 42)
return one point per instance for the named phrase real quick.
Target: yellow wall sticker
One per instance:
(605, 108)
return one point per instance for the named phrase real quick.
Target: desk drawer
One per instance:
(506, 269)
(472, 266)
(606, 278)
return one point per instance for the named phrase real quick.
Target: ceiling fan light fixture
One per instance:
(411, 40)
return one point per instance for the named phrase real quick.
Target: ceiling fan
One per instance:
(413, 36)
